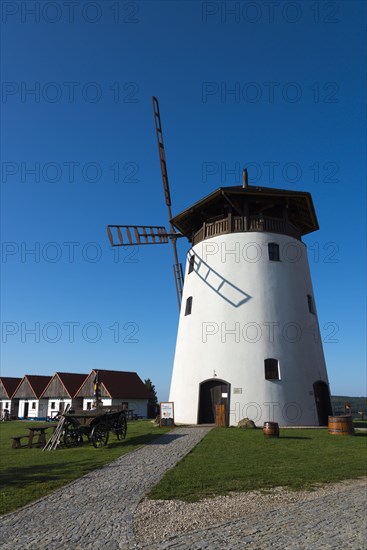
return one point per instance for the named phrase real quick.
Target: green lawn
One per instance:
(242, 460)
(28, 474)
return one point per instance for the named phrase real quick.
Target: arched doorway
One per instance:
(211, 393)
(323, 402)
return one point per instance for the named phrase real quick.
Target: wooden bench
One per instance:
(16, 441)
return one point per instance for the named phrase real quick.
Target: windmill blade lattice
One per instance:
(136, 235)
(177, 267)
(133, 235)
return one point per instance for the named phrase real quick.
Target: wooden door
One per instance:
(212, 393)
(220, 415)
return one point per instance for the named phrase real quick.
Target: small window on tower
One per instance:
(33, 405)
(188, 306)
(271, 369)
(311, 307)
(192, 264)
(273, 249)
(53, 405)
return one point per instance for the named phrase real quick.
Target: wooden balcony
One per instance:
(239, 224)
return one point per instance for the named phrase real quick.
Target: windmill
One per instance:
(132, 235)
(248, 336)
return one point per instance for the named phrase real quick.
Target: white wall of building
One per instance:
(54, 405)
(245, 309)
(11, 405)
(138, 406)
(88, 403)
(37, 408)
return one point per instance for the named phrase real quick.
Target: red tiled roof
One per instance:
(10, 384)
(72, 381)
(121, 384)
(38, 383)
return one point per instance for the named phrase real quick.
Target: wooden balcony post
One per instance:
(229, 223)
(246, 218)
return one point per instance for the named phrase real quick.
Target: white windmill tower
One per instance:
(248, 332)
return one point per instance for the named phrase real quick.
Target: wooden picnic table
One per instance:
(41, 432)
(130, 414)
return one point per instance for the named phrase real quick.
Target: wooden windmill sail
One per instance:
(132, 235)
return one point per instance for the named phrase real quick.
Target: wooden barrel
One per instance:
(271, 429)
(340, 425)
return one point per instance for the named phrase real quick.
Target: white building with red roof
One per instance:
(8, 385)
(29, 392)
(117, 388)
(61, 391)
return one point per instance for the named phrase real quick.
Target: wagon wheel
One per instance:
(121, 426)
(99, 435)
(72, 437)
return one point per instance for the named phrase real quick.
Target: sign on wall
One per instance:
(166, 413)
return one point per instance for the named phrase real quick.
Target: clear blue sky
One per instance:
(280, 90)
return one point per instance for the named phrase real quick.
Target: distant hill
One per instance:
(358, 404)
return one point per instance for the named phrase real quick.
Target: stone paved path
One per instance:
(96, 511)
(328, 522)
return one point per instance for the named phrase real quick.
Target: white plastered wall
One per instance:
(245, 309)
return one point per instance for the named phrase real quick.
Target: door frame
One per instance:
(220, 380)
(325, 408)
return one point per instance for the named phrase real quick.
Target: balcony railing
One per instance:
(237, 224)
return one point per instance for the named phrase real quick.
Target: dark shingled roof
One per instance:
(72, 381)
(10, 384)
(300, 206)
(121, 384)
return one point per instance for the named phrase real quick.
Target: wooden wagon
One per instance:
(96, 425)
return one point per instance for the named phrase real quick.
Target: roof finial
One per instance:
(244, 178)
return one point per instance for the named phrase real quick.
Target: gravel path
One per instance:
(100, 511)
(334, 517)
(97, 510)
